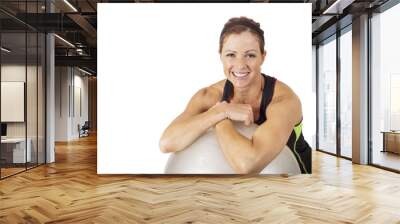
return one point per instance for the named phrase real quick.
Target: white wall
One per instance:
(81, 82)
(12, 73)
(68, 81)
(61, 103)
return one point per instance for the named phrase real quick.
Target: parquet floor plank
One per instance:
(70, 191)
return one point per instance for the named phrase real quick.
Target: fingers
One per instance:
(247, 122)
(249, 115)
(239, 112)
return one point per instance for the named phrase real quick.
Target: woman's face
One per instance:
(242, 58)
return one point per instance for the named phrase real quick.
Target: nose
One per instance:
(241, 63)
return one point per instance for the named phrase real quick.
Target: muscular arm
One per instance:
(197, 118)
(251, 156)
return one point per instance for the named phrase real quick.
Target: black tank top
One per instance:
(268, 92)
(296, 142)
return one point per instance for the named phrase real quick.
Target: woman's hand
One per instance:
(236, 112)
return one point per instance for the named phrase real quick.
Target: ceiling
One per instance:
(76, 22)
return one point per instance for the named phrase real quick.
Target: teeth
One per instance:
(240, 74)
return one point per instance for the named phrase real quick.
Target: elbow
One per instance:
(166, 146)
(243, 167)
(249, 164)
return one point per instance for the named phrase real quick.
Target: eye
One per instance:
(251, 55)
(230, 55)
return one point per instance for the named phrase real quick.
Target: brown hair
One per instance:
(237, 25)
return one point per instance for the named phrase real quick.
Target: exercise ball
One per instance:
(204, 156)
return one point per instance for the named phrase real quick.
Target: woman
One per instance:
(246, 96)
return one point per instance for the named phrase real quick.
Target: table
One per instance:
(391, 141)
(15, 148)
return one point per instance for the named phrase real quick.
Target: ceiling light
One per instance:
(338, 6)
(5, 50)
(70, 5)
(64, 40)
(84, 71)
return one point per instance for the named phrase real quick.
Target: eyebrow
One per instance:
(251, 50)
(235, 51)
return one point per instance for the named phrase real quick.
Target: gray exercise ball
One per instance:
(204, 156)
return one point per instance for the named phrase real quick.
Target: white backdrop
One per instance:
(153, 57)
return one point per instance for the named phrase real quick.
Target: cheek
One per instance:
(256, 65)
(227, 65)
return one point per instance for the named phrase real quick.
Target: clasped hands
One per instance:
(235, 112)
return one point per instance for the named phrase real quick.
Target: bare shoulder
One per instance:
(216, 90)
(286, 99)
(208, 96)
(283, 91)
(213, 93)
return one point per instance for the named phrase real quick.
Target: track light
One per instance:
(65, 41)
(5, 50)
(70, 5)
(337, 7)
(84, 71)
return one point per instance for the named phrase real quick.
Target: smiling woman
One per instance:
(248, 96)
(242, 51)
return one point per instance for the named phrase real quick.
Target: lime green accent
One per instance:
(301, 161)
(297, 130)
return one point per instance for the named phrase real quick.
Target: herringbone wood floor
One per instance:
(70, 191)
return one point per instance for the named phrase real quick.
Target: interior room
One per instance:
(49, 117)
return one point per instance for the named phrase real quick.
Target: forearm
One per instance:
(181, 134)
(238, 149)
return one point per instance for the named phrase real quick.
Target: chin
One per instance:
(240, 85)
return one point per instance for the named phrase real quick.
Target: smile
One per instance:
(240, 74)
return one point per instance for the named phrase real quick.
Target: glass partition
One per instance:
(385, 89)
(41, 85)
(14, 153)
(346, 93)
(22, 77)
(327, 95)
(34, 49)
(32, 95)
